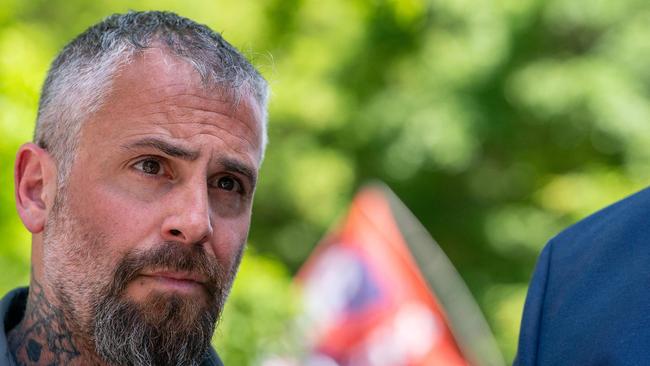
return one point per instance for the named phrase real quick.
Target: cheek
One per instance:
(76, 259)
(121, 222)
(229, 238)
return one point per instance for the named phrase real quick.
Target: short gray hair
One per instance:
(80, 76)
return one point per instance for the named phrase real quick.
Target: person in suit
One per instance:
(589, 300)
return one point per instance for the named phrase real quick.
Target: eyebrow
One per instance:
(238, 167)
(176, 151)
(165, 147)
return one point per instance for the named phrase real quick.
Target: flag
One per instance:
(378, 291)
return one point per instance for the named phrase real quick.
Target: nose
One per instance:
(188, 215)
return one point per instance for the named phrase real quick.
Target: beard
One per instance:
(163, 328)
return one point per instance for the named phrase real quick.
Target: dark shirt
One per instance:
(12, 309)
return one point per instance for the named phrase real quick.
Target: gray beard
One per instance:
(124, 335)
(164, 329)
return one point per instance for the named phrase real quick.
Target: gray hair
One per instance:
(81, 75)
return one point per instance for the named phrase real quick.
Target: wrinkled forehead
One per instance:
(157, 82)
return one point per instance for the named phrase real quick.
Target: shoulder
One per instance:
(602, 245)
(12, 308)
(624, 220)
(593, 286)
(212, 358)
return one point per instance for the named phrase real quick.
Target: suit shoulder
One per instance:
(594, 275)
(622, 221)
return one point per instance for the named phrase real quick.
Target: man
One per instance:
(589, 301)
(138, 193)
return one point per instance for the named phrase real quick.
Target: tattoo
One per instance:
(42, 336)
(34, 350)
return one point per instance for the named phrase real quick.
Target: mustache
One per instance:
(170, 256)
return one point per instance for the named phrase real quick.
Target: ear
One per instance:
(35, 179)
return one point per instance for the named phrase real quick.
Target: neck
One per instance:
(43, 336)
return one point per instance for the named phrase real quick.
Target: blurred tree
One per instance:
(498, 122)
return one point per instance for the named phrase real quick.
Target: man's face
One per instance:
(153, 219)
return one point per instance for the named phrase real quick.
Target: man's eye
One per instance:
(228, 184)
(149, 166)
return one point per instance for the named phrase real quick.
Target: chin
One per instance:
(164, 328)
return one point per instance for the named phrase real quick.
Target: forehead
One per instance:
(161, 94)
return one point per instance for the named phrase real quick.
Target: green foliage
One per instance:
(259, 309)
(498, 122)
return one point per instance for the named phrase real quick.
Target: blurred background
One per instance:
(497, 122)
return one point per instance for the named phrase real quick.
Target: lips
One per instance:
(176, 281)
(178, 276)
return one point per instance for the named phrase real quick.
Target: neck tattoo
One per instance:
(42, 337)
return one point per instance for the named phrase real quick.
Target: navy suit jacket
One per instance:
(589, 300)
